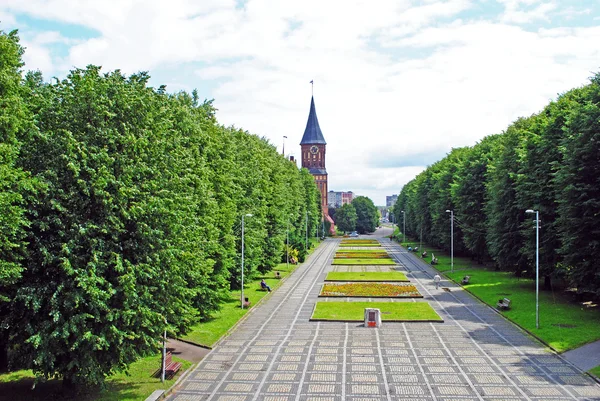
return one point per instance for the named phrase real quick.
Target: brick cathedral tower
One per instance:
(313, 155)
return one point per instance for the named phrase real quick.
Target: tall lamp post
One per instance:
(287, 244)
(451, 240)
(403, 226)
(537, 266)
(164, 354)
(307, 231)
(244, 215)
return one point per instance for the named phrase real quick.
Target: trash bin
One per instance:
(372, 317)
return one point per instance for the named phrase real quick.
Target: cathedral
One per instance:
(313, 148)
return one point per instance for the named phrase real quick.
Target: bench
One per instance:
(171, 367)
(466, 279)
(503, 304)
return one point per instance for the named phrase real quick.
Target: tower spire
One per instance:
(312, 133)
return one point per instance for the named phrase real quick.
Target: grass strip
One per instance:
(370, 289)
(363, 262)
(596, 371)
(390, 311)
(207, 333)
(366, 276)
(138, 385)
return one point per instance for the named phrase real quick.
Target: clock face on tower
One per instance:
(314, 150)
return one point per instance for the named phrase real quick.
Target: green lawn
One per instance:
(363, 262)
(596, 371)
(16, 386)
(564, 325)
(390, 311)
(209, 332)
(366, 276)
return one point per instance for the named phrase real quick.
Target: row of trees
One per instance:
(548, 162)
(361, 215)
(120, 210)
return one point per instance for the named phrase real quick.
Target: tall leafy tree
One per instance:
(505, 215)
(579, 199)
(346, 218)
(112, 245)
(15, 121)
(469, 197)
(366, 213)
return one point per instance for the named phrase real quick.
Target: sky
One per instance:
(397, 84)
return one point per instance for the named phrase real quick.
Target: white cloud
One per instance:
(393, 79)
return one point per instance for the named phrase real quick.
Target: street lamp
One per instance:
(244, 215)
(306, 231)
(451, 240)
(287, 244)
(403, 227)
(164, 354)
(537, 266)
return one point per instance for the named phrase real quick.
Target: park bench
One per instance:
(171, 367)
(503, 304)
(466, 279)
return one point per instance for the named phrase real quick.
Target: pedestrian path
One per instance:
(585, 357)
(278, 354)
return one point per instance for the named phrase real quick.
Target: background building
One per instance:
(337, 199)
(391, 200)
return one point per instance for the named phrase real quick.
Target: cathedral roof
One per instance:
(312, 133)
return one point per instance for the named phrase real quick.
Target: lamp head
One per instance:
(249, 215)
(529, 211)
(448, 211)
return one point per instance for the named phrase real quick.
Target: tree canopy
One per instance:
(120, 215)
(367, 215)
(548, 162)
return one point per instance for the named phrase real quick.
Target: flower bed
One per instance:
(372, 290)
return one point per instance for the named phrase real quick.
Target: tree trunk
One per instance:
(547, 282)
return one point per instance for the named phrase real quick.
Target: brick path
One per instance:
(278, 354)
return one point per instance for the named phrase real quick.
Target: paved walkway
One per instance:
(586, 357)
(189, 352)
(278, 354)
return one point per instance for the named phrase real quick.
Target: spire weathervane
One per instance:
(312, 88)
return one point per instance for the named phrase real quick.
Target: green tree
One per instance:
(346, 218)
(579, 198)
(15, 185)
(505, 215)
(367, 215)
(469, 197)
(113, 248)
